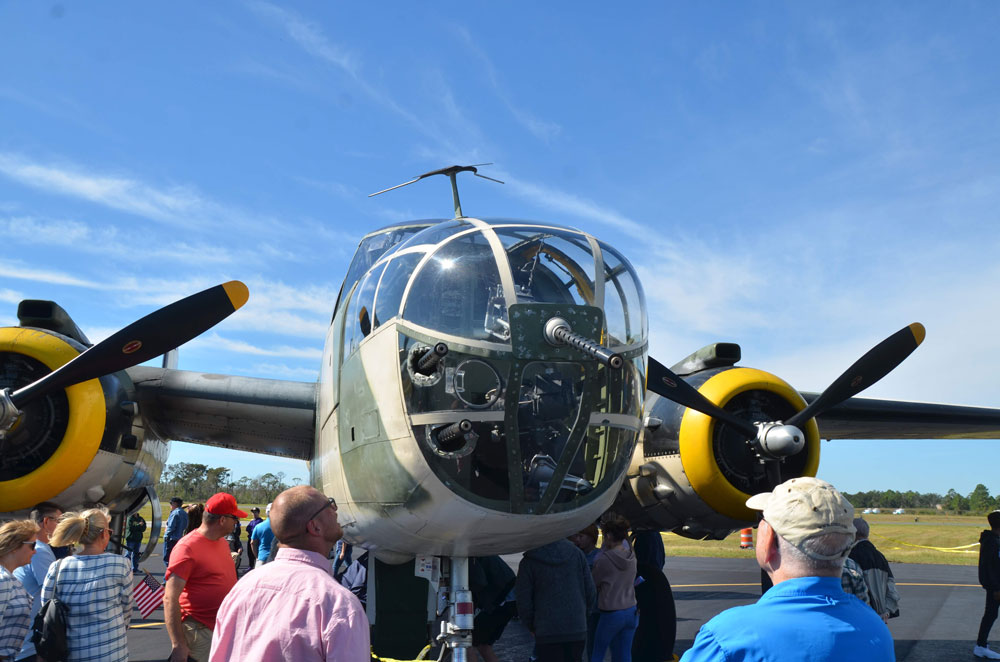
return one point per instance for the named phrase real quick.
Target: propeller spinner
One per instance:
(772, 442)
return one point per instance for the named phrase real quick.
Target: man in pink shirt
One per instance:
(292, 608)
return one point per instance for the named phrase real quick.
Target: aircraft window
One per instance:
(621, 390)
(370, 250)
(548, 408)
(359, 313)
(458, 291)
(349, 327)
(390, 290)
(624, 302)
(476, 383)
(477, 464)
(438, 232)
(603, 452)
(549, 266)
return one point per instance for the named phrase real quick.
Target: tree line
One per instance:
(978, 500)
(197, 482)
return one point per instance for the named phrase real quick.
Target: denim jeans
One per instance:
(133, 550)
(167, 546)
(615, 630)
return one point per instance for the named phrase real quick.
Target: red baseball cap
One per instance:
(223, 503)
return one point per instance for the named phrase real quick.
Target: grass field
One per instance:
(899, 537)
(954, 538)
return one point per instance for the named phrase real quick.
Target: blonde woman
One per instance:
(96, 587)
(17, 545)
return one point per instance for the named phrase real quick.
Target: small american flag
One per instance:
(148, 595)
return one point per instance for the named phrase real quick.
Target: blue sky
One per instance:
(803, 179)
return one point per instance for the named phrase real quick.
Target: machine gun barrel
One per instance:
(427, 363)
(557, 332)
(455, 432)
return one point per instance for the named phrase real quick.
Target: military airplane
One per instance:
(485, 388)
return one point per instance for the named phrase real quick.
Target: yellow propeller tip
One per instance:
(918, 331)
(237, 292)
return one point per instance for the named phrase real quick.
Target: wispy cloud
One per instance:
(541, 129)
(111, 243)
(60, 108)
(216, 342)
(10, 296)
(309, 36)
(282, 371)
(274, 307)
(176, 205)
(569, 203)
(336, 188)
(263, 318)
(314, 41)
(22, 271)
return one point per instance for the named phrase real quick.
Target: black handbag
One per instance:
(49, 628)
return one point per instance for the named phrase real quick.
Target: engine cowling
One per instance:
(692, 474)
(82, 444)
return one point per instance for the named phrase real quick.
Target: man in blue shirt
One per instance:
(176, 525)
(806, 532)
(46, 516)
(262, 538)
(251, 555)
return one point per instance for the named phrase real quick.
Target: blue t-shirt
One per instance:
(807, 618)
(265, 539)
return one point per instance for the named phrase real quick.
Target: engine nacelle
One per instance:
(692, 474)
(83, 444)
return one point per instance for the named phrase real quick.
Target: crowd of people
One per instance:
(830, 593)
(207, 613)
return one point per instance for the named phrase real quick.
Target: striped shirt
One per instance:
(15, 609)
(97, 591)
(852, 580)
(31, 576)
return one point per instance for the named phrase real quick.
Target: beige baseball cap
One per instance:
(803, 508)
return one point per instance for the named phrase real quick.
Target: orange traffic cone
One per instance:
(746, 538)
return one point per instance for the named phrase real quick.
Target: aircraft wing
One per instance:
(865, 418)
(244, 413)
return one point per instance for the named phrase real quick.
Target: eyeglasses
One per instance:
(29, 542)
(329, 502)
(235, 518)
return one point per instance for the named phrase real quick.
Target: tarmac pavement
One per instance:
(940, 608)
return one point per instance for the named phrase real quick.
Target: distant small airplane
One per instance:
(485, 388)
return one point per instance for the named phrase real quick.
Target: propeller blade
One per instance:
(149, 337)
(663, 381)
(873, 366)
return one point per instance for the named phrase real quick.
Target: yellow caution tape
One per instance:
(963, 549)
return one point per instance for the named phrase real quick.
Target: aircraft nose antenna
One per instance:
(558, 332)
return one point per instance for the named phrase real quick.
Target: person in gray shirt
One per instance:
(554, 592)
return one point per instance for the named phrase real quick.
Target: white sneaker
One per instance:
(984, 651)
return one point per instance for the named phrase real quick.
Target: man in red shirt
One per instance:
(201, 573)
